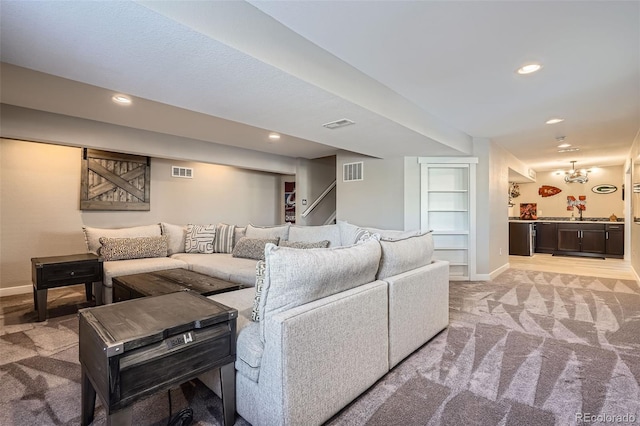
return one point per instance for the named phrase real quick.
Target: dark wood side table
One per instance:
(60, 271)
(133, 349)
(155, 283)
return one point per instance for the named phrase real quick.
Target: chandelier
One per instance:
(573, 175)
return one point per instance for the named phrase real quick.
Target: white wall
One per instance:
(312, 179)
(40, 215)
(378, 200)
(598, 205)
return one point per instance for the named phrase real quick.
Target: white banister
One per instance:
(319, 199)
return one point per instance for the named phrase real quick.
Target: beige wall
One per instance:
(39, 209)
(598, 205)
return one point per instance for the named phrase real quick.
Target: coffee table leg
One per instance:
(88, 399)
(41, 304)
(88, 289)
(98, 292)
(121, 417)
(228, 383)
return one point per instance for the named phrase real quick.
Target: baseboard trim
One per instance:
(492, 275)
(12, 291)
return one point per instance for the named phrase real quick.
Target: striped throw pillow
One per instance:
(224, 238)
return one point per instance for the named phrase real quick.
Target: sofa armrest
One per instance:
(418, 308)
(320, 356)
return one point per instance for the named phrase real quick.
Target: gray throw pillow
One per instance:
(133, 248)
(304, 245)
(252, 248)
(224, 238)
(260, 270)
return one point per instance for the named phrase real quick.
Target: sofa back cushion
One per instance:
(176, 236)
(402, 255)
(133, 248)
(294, 277)
(92, 235)
(393, 234)
(316, 233)
(268, 232)
(349, 233)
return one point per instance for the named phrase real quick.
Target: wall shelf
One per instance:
(448, 209)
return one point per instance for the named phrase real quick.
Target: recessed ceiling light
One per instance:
(529, 68)
(274, 136)
(554, 121)
(564, 145)
(338, 123)
(569, 150)
(121, 99)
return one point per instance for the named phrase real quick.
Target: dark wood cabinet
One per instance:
(546, 237)
(581, 238)
(614, 237)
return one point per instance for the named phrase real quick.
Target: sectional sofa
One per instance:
(324, 324)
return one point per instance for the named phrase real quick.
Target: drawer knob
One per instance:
(72, 273)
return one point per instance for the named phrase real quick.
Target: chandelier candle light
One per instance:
(579, 176)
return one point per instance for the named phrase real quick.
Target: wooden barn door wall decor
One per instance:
(114, 181)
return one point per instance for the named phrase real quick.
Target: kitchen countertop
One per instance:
(596, 220)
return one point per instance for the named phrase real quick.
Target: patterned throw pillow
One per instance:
(367, 236)
(252, 248)
(224, 238)
(199, 239)
(133, 248)
(260, 270)
(304, 245)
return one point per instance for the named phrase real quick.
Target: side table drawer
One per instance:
(60, 274)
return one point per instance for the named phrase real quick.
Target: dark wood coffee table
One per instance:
(168, 281)
(131, 350)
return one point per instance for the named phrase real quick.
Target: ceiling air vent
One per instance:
(182, 172)
(338, 123)
(352, 172)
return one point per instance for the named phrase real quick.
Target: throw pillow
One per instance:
(239, 233)
(176, 235)
(260, 271)
(200, 238)
(224, 238)
(403, 255)
(252, 248)
(270, 232)
(349, 234)
(133, 248)
(305, 245)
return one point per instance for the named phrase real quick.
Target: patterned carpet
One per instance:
(529, 348)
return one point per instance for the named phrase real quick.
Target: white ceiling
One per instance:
(418, 78)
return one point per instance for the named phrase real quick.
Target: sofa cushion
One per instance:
(176, 236)
(405, 254)
(349, 233)
(393, 234)
(294, 277)
(316, 233)
(268, 232)
(238, 233)
(304, 244)
(133, 248)
(199, 238)
(252, 248)
(242, 300)
(223, 242)
(221, 265)
(92, 235)
(117, 268)
(260, 267)
(249, 350)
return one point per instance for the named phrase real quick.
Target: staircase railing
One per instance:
(319, 199)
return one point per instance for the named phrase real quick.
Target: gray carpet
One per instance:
(528, 348)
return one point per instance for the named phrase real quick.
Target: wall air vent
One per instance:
(352, 172)
(182, 172)
(338, 123)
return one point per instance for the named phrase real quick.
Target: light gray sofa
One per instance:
(332, 321)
